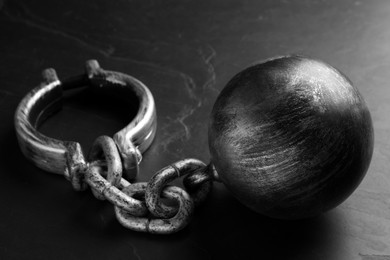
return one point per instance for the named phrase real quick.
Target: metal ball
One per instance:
(291, 137)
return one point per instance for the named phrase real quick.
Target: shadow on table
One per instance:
(224, 229)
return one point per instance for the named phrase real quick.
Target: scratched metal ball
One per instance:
(291, 137)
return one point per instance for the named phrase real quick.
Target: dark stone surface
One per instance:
(185, 52)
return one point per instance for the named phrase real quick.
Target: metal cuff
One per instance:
(50, 154)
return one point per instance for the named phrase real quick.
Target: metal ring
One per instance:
(104, 144)
(198, 184)
(136, 189)
(50, 154)
(161, 226)
(114, 195)
(76, 166)
(158, 182)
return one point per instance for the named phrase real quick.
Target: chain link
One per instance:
(104, 148)
(138, 206)
(158, 226)
(167, 175)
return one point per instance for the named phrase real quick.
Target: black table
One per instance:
(185, 52)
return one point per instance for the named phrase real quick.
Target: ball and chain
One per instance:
(290, 138)
(139, 206)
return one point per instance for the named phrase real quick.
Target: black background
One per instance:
(185, 52)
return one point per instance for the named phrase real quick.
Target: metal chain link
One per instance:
(138, 206)
(166, 175)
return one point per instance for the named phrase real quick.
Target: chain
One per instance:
(139, 206)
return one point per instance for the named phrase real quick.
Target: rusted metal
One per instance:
(96, 181)
(76, 166)
(104, 148)
(109, 158)
(47, 153)
(161, 226)
(167, 175)
(51, 154)
(198, 184)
